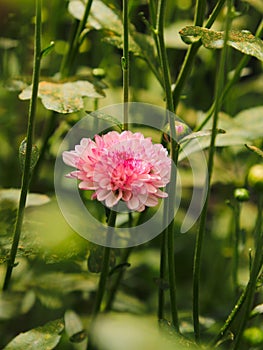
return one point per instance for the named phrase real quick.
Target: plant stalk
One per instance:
(161, 6)
(201, 231)
(75, 42)
(105, 265)
(26, 175)
(125, 64)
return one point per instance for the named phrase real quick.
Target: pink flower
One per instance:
(124, 166)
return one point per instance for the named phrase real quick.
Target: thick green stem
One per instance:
(163, 266)
(105, 265)
(113, 291)
(201, 231)
(174, 156)
(125, 64)
(236, 246)
(29, 143)
(232, 316)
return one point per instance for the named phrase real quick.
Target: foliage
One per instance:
(50, 300)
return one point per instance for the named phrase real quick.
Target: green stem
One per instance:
(201, 231)
(241, 65)
(174, 156)
(163, 265)
(232, 316)
(236, 246)
(68, 60)
(29, 143)
(125, 64)
(191, 53)
(256, 267)
(113, 291)
(199, 12)
(105, 265)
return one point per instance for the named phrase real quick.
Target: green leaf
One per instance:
(242, 40)
(111, 331)
(108, 19)
(246, 126)
(95, 259)
(63, 98)
(45, 338)
(22, 155)
(74, 327)
(257, 4)
(13, 195)
(255, 150)
(198, 134)
(101, 16)
(15, 304)
(258, 310)
(7, 43)
(107, 118)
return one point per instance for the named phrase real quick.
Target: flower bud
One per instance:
(22, 155)
(241, 194)
(255, 177)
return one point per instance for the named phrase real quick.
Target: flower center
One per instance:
(128, 168)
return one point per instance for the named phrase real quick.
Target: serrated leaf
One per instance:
(13, 195)
(46, 337)
(63, 98)
(242, 40)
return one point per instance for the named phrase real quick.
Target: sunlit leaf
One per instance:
(258, 310)
(63, 98)
(33, 199)
(242, 40)
(113, 330)
(46, 337)
(255, 150)
(7, 43)
(246, 126)
(101, 16)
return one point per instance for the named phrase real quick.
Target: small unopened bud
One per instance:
(22, 155)
(99, 73)
(255, 177)
(241, 194)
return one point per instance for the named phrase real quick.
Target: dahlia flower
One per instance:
(124, 166)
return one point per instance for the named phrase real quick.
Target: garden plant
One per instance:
(131, 174)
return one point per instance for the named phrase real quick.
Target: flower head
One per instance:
(124, 166)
